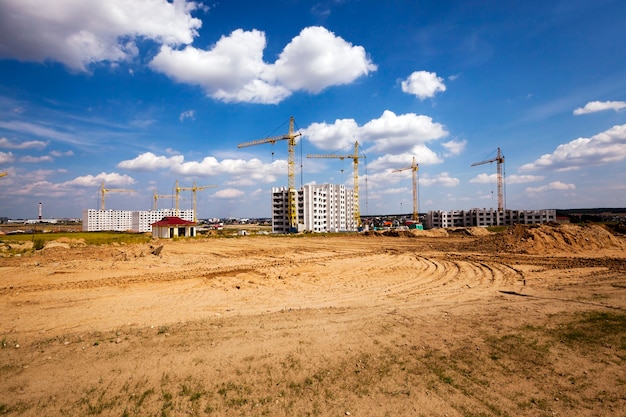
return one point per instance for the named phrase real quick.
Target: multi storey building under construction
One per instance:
(487, 217)
(320, 208)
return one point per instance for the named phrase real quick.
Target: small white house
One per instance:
(171, 227)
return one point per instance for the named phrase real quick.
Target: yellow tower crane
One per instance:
(194, 188)
(2, 174)
(499, 159)
(157, 196)
(355, 158)
(414, 167)
(111, 190)
(290, 137)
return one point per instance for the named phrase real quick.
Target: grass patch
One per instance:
(90, 238)
(497, 229)
(592, 329)
(38, 244)
(522, 346)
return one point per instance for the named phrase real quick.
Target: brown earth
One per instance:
(527, 322)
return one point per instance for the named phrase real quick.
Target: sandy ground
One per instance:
(531, 322)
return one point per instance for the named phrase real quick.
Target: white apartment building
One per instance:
(487, 217)
(142, 220)
(127, 220)
(320, 208)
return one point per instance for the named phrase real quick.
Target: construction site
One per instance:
(456, 320)
(139, 221)
(320, 208)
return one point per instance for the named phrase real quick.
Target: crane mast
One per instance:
(290, 137)
(355, 159)
(499, 159)
(103, 191)
(414, 167)
(194, 188)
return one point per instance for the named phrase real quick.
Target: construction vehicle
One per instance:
(355, 158)
(290, 137)
(194, 188)
(499, 159)
(111, 190)
(414, 167)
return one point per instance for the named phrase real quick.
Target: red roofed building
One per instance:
(170, 227)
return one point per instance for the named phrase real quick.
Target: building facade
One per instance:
(171, 227)
(487, 217)
(320, 208)
(127, 220)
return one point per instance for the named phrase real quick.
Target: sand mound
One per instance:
(408, 233)
(544, 238)
(71, 242)
(65, 243)
(469, 231)
(430, 233)
(56, 244)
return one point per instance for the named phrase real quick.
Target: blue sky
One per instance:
(139, 94)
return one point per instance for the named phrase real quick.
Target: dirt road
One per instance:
(462, 324)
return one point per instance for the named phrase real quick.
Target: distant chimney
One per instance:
(39, 210)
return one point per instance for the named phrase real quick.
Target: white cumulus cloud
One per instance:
(233, 70)
(390, 133)
(398, 133)
(553, 186)
(340, 135)
(484, 179)
(596, 106)
(188, 114)
(523, 179)
(229, 193)
(317, 58)
(605, 147)
(109, 179)
(454, 147)
(6, 157)
(245, 172)
(443, 179)
(423, 156)
(150, 162)
(509, 179)
(423, 84)
(80, 32)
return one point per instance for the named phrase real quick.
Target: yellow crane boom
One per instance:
(414, 167)
(499, 159)
(103, 191)
(290, 137)
(2, 174)
(194, 188)
(157, 196)
(355, 159)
